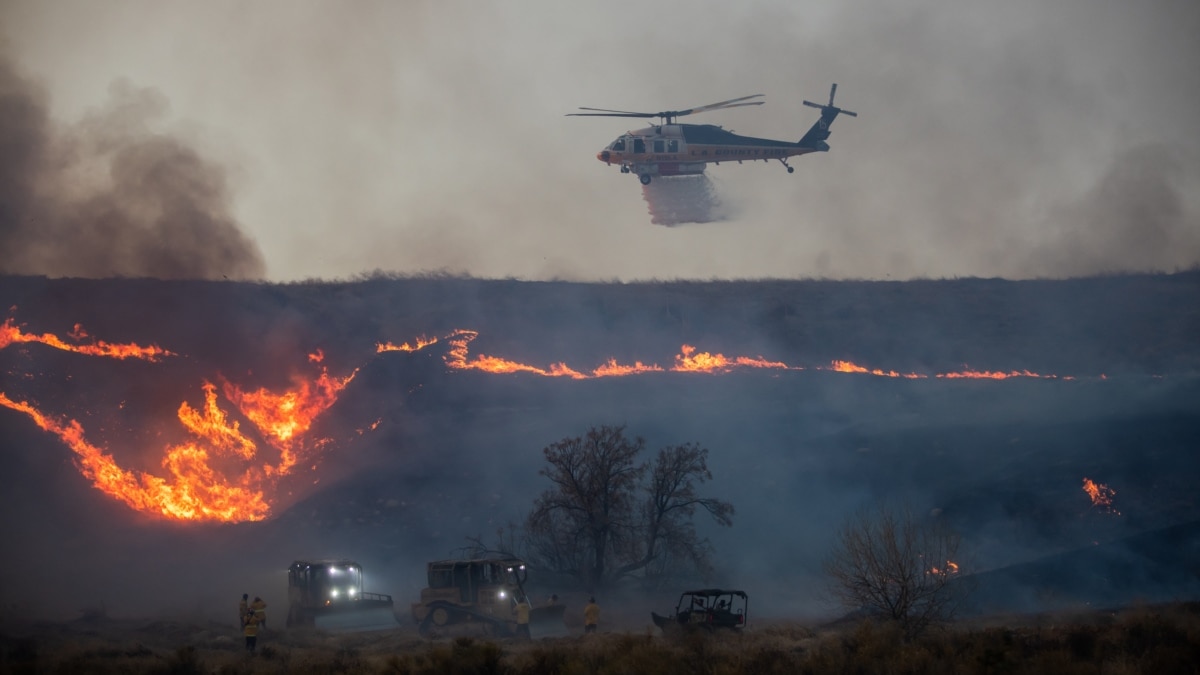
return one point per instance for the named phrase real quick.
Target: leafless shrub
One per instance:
(892, 565)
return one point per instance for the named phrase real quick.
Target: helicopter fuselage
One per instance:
(686, 149)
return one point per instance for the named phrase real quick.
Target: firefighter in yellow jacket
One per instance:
(250, 630)
(243, 609)
(591, 616)
(523, 618)
(260, 611)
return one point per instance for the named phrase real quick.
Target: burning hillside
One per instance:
(397, 417)
(194, 487)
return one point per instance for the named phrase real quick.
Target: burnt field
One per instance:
(992, 403)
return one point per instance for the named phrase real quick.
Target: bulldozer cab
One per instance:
(328, 594)
(483, 591)
(324, 582)
(494, 583)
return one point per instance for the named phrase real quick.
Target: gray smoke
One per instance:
(1136, 217)
(109, 195)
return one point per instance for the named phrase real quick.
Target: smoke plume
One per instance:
(109, 195)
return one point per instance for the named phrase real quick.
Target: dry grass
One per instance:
(1161, 639)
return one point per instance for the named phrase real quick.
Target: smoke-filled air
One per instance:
(311, 140)
(346, 307)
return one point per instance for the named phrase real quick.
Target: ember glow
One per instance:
(1100, 494)
(996, 375)
(950, 567)
(10, 334)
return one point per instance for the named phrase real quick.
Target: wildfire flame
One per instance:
(950, 568)
(418, 344)
(199, 483)
(849, 367)
(218, 475)
(194, 492)
(1101, 494)
(286, 416)
(10, 334)
(689, 360)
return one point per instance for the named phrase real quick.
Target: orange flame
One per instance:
(200, 482)
(10, 333)
(195, 491)
(196, 488)
(950, 568)
(850, 367)
(418, 344)
(1101, 494)
(286, 416)
(992, 375)
(690, 361)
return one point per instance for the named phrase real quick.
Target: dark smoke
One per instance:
(109, 196)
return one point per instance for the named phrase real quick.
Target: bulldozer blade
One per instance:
(548, 622)
(380, 618)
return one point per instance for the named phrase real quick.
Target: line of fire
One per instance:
(199, 486)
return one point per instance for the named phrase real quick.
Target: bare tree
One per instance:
(890, 564)
(669, 540)
(602, 522)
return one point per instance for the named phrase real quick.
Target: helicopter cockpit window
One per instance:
(619, 145)
(639, 146)
(673, 145)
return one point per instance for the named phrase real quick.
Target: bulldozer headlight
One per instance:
(500, 594)
(333, 593)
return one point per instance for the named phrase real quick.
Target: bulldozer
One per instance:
(482, 591)
(328, 594)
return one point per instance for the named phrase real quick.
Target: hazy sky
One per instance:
(1023, 138)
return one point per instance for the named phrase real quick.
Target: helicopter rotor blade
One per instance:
(640, 115)
(731, 103)
(623, 112)
(832, 91)
(813, 105)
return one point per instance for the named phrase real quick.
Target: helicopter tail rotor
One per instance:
(815, 138)
(830, 106)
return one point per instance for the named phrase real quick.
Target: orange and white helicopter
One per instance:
(670, 149)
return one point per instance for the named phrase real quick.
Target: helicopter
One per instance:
(671, 149)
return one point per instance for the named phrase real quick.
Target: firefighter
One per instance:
(243, 609)
(260, 611)
(523, 618)
(250, 630)
(591, 616)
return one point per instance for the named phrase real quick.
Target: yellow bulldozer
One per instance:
(482, 591)
(328, 594)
